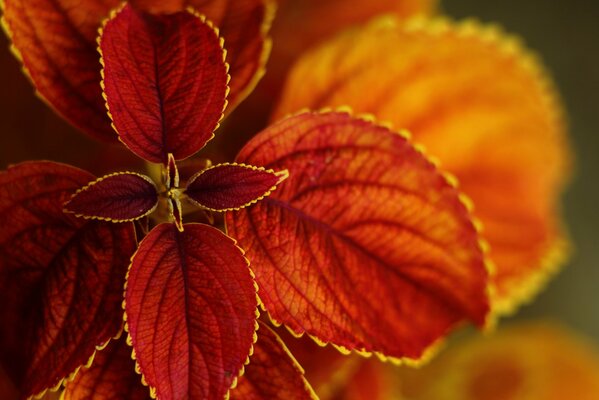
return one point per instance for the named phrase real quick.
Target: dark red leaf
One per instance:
(273, 372)
(367, 245)
(61, 278)
(232, 186)
(111, 376)
(119, 197)
(165, 81)
(191, 311)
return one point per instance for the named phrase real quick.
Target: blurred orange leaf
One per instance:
(530, 361)
(478, 102)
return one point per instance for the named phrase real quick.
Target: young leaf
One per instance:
(191, 311)
(172, 173)
(165, 81)
(56, 43)
(497, 124)
(273, 373)
(61, 277)
(232, 186)
(367, 245)
(111, 376)
(176, 212)
(119, 197)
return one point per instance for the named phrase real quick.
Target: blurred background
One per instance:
(566, 36)
(564, 33)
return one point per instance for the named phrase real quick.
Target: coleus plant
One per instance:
(365, 244)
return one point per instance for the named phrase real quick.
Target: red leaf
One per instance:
(273, 372)
(56, 43)
(366, 245)
(112, 376)
(191, 311)
(165, 81)
(61, 278)
(232, 186)
(119, 197)
(244, 24)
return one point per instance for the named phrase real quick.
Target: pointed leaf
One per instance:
(232, 186)
(172, 173)
(191, 311)
(56, 42)
(119, 197)
(497, 124)
(367, 245)
(244, 24)
(273, 372)
(61, 277)
(111, 376)
(165, 81)
(176, 212)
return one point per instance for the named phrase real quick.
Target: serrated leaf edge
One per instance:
(467, 204)
(92, 217)
(270, 8)
(203, 20)
(282, 175)
(511, 46)
(297, 366)
(130, 342)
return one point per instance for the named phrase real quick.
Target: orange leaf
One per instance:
(273, 373)
(531, 361)
(323, 18)
(318, 19)
(479, 103)
(366, 245)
